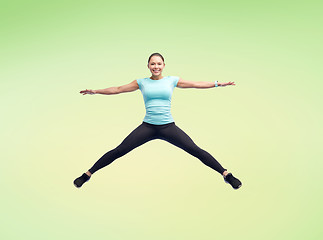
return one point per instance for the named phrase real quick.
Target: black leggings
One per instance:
(168, 132)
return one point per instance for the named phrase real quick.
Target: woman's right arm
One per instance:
(114, 90)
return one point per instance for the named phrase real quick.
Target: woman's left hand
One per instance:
(228, 83)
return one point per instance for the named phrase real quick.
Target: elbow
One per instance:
(117, 90)
(196, 85)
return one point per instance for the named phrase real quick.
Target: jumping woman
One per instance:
(158, 122)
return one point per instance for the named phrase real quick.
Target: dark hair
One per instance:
(155, 54)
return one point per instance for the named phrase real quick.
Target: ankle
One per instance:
(88, 173)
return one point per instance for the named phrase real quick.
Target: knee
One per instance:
(117, 152)
(120, 151)
(195, 151)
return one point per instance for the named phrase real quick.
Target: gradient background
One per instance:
(266, 129)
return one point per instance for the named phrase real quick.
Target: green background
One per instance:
(266, 130)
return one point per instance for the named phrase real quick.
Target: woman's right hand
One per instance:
(88, 91)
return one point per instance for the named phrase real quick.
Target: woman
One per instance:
(158, 122)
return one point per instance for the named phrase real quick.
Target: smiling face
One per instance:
(156, 66)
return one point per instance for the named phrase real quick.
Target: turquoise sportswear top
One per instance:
(157, 95)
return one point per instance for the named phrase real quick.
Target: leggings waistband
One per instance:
(161, 125)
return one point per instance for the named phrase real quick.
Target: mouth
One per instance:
(155, 71)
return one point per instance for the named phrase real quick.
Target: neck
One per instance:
(156, 77)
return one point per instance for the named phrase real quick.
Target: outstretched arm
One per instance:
(190, 84)
(114, 90)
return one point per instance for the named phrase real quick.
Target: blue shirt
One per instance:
(157, 95)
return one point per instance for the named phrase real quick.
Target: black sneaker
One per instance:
(81, 180)
(234, 182)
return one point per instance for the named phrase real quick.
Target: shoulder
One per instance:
(140, 80)
(175, 80)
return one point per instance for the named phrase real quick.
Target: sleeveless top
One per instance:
(157, 95)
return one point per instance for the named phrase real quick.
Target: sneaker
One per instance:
(78, 182)
(234, 182)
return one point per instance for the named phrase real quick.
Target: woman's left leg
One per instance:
(179, 138)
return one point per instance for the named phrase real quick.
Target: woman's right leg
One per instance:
(137, 137)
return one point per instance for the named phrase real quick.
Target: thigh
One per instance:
(137, 137)
(176, 136)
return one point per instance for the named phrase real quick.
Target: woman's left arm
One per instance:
(190, 84)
